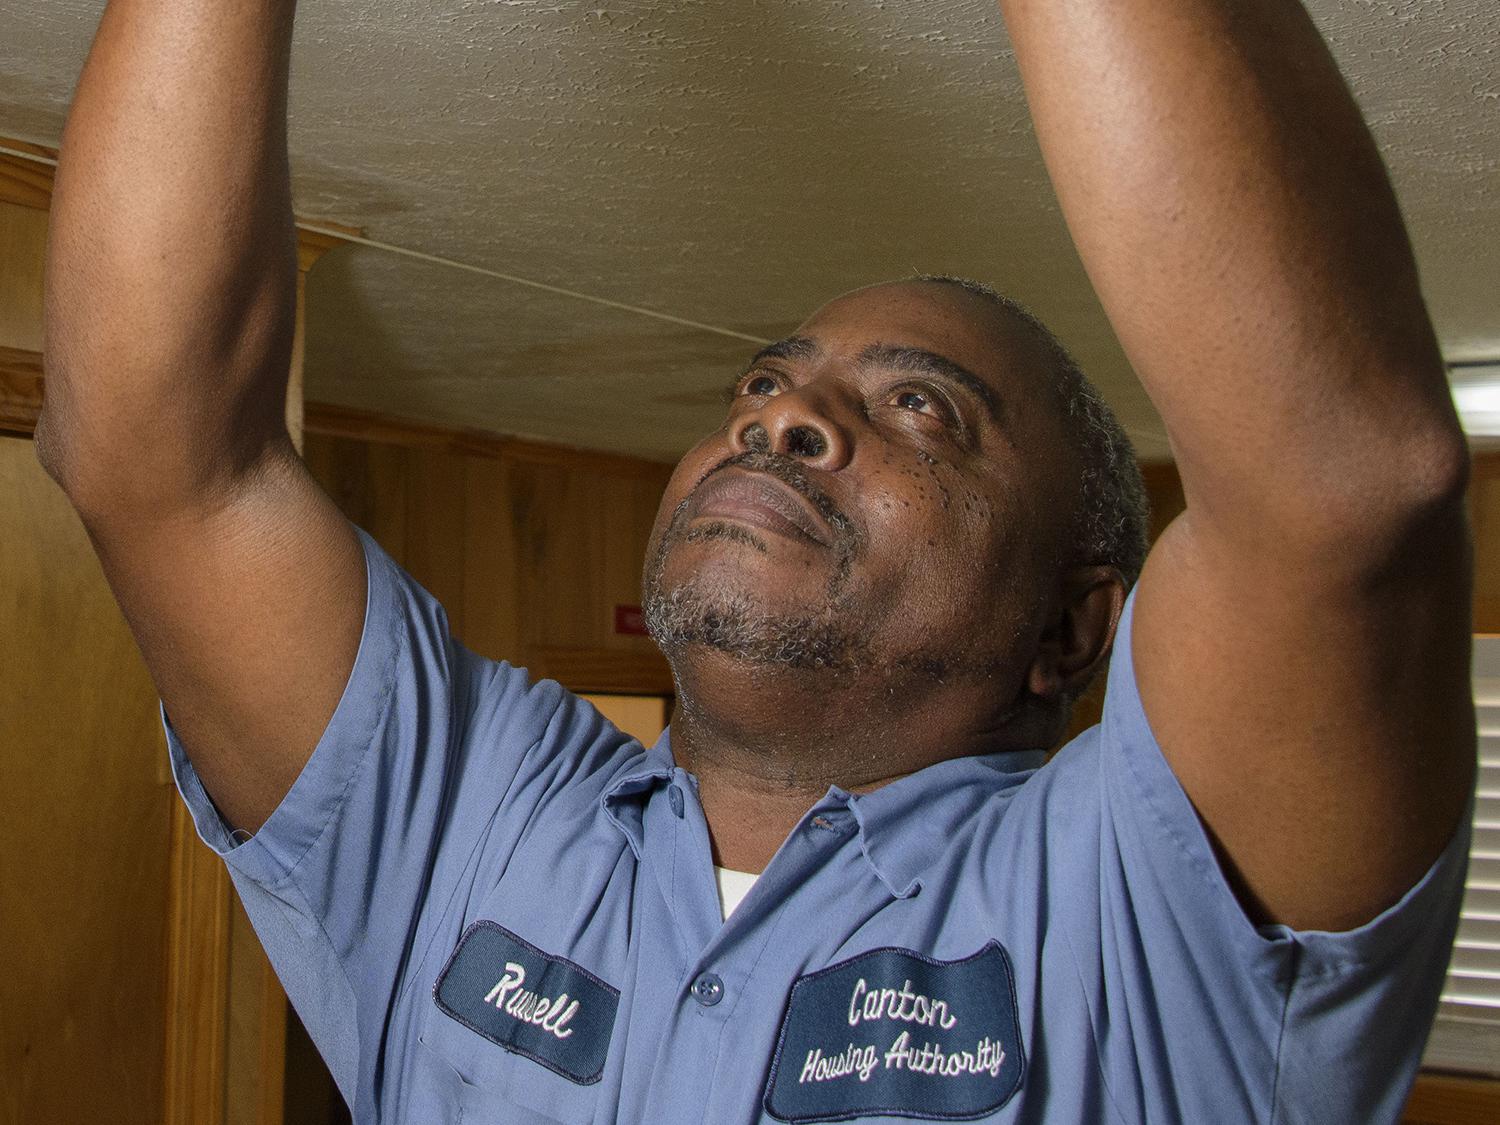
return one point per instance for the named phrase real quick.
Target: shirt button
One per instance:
(674, 796)
(708, 989)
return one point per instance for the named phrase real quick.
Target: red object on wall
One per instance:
(630, 620)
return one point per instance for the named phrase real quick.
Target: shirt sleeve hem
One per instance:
(1432, 900)
(1158, 789)
(270, 856)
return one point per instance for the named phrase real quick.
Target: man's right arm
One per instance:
(170, 310)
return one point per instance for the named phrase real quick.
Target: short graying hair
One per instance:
(1111, 518)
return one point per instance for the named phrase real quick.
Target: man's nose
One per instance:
(793, 425)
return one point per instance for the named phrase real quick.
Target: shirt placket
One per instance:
(724, 976)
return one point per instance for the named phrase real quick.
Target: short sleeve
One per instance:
(427, 746)
(1288, 1025)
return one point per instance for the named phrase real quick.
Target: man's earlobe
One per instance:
(1078, 638)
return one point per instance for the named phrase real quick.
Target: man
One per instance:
(879, 585)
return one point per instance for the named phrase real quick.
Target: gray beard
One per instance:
(677, 619)
(732, 624)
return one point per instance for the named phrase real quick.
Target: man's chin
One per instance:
(742, 625)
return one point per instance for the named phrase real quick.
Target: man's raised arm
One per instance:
(169, 319)
(1301, 633)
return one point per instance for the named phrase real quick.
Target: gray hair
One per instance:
(1109, 526)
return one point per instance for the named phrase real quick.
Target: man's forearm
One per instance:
(171, 269)
(1238, 224)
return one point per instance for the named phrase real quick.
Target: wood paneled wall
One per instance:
(1484, 515)
(85, 827)
(530, 548)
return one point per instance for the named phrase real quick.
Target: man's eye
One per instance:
(758, 385)
(919, 401)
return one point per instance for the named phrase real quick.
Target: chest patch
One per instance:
(894, 1032)
(543, 1007)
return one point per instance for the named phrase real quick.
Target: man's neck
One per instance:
(765, 743)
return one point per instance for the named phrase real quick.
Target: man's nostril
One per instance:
(804, 442)
(755, 438)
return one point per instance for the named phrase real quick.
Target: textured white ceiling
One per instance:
(733, 163)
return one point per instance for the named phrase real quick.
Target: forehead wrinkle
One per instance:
(920, 361)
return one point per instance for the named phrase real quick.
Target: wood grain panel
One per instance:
(20, 390)
(557, 537)
(1164, 491)
(491, 608)
(42, 153)
(1484, 514)
(331, 420)
(85, 827)
(197, 984)
(435, 512)
(23, 247)
(625, 520)
(581, 536)
(1441, 1099)
(255, 1051)
(367, 480)
(529, 553)
(26, 183)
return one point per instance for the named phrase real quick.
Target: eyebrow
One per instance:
(792, 347)
(920, 361)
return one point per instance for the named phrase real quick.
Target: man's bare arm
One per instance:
(1301, 633)
(169, 318)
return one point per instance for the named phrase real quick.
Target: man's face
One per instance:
(886, 494)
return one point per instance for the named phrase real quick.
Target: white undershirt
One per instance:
(733, 887)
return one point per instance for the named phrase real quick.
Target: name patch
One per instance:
(894, 1032)
(532, 1003)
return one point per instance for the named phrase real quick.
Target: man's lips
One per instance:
(761, 500)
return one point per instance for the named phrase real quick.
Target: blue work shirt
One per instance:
(487, 903)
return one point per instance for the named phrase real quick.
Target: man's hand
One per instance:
(1301, 632)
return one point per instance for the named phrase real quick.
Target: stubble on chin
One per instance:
(735, 624)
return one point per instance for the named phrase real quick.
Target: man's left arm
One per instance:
(1301, 633)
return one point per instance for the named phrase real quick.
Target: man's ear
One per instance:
(1079, 633)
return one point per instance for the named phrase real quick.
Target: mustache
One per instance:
(790, 473)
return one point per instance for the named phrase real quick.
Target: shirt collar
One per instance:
(903, 826)
(624, 800)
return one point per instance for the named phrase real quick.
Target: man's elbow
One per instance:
(1348, 502)
(92, 487)
(51, 442)
(1394, 496)
(112, 467)
(1427, 474)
